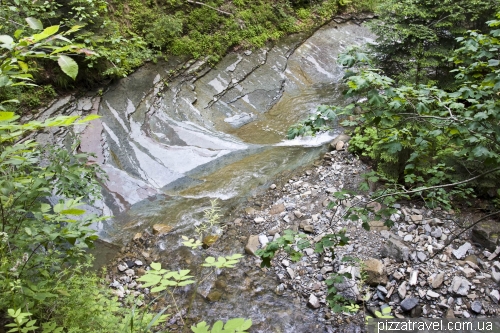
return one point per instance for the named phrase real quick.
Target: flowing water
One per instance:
(176, 134)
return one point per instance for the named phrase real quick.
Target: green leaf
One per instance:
(217, 327)
(73, 211)
(47, 32)
(200, 328)
(7, 116)
(155, 265)
(6, 41)
(34, 23)
(68, 66)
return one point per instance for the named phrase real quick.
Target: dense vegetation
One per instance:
(426, 112)
(118, 36)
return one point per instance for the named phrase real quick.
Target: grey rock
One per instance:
(349, 289)
(409, 303)
(396, 249)
(309, 251)
(408, 238)
(138, 263)
(122, 267)
(461, 252)
(290, 272)
(476, 306)
(382, 289)
(459, 286)
(421, 256)
(130, 272)
(437, 233)
(432, 294)
(495, 296)
(495, 274)
(313, 302)
(263, 240)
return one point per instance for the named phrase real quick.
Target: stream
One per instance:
(176, 134)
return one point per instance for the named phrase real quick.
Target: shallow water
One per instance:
(170, 144)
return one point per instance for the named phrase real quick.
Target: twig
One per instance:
(464, 230)
(204, 4)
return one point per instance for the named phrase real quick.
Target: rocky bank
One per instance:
(410, 268)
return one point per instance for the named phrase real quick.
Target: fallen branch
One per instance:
(464, 230)
(204, 4)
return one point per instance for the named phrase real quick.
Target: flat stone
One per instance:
(252, 244)
(408, 238)
(436, 280)
(402, 290)
(460, 286)
(375, 271)
(416, 218)
(432, 294)
(298, 214)
(130, 272)
(313, 302)
(396, 249)
(461, 252)
(377, 226)
(160, 229)
(409, 303)
(276, 209)
(259, 219)
(382, 289)
(469, 272)
(290, 272)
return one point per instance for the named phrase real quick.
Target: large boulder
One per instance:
(486, 233)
